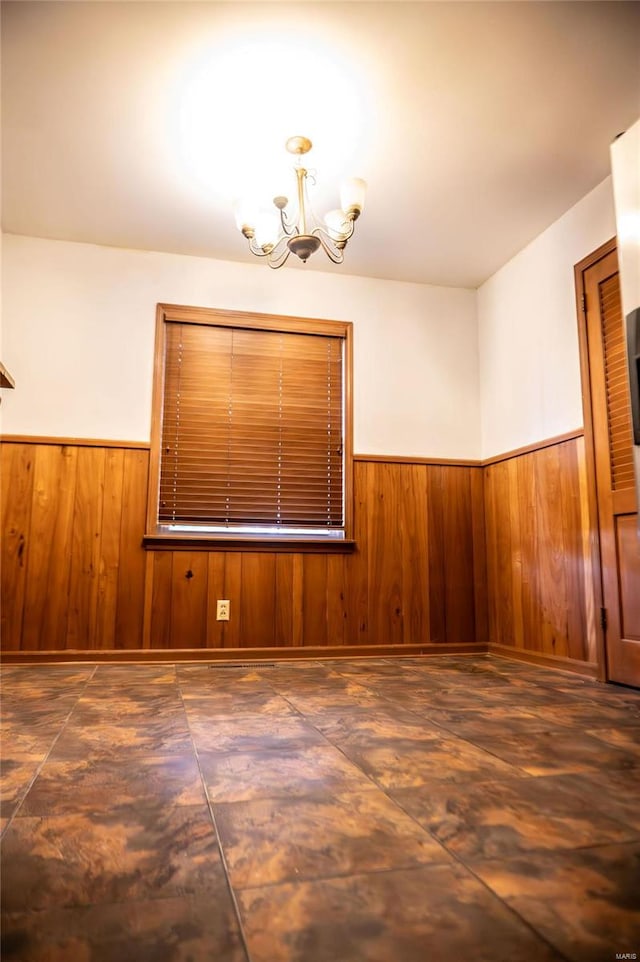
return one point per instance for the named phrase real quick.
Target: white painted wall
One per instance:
(625, 166)
(528, 335)
(79, 324)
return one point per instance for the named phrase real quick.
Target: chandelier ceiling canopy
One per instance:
(276, 232)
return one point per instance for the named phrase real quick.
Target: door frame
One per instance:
(589, 445)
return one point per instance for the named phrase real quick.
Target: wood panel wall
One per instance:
(73, 569)
(539, 568)
(75, 577)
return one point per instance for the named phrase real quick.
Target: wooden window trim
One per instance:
(156, 539)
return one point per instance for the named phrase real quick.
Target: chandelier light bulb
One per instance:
(267, 229)
(352, 194)
(337, 224)
(245, 217)
(280, 231)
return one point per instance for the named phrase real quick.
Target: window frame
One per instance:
(155, 537)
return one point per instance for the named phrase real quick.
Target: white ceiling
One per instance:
(476, 124)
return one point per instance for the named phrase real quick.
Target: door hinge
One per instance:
(603, 619)
(583, 303)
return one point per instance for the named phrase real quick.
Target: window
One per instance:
(251, 432)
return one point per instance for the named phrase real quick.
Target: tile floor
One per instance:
(410, 810)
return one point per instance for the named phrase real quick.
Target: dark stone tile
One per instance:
(29, 739)
(314, 698)
(584, 714)
(625, 699)
(30, 703)
(302, 673)
(424, 701)
(366, 726)
(511, 666)
(123, 711)
(616, 792)
(133, 852)
(205, 678)
(140, 736)
(626, 737)
(500, 819)
(92, 785)
(470, 680)
(370, 668)
(290, 839)
(201, 929)
(403, 763)
(230, 703)
(586, 902)
(17, 771)
(41, 678)
(241, 776)
(487, 721)
(549, 752)
(254, 733)
(134, 697)
(436, 913)
(126, 675)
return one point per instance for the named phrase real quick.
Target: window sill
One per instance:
(291, 545)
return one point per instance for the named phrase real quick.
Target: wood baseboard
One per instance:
(587, 668)
(149, 656)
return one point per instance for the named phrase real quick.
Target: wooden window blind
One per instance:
(617, 385)
(253, 429)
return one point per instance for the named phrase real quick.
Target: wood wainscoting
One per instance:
(540, 556)
(449, 557)
(77, 581)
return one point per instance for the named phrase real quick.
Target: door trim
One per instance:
(589, 443)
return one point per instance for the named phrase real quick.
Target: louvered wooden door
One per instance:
(613, 443)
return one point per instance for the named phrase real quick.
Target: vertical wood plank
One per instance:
(148, 599)
(491, 554)
(516, 552)
(530, 594)
(336, 603)
(572, 551)
(258, 599)
(49, 563)
(16, 472)
(189, 575)
(161, 596)
(504, 587)
(385, 555)
(298, 600)
(215, 590)
(85, 549)
(232, 630)
(283, 624)
(553, 595)
(109, 561)
(415, 553)
(587, 554)
(314, 599)
(458, 553)
(479, 538)
(437, 599)
(357, 564)
(131, 572)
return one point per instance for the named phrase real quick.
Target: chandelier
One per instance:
(278, 232)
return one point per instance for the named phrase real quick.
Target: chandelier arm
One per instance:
(290, 229)
(332, 252)
(345, 237)
(280, 260)
(253, 247)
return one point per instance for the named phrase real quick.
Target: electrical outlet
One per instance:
(223, 610)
